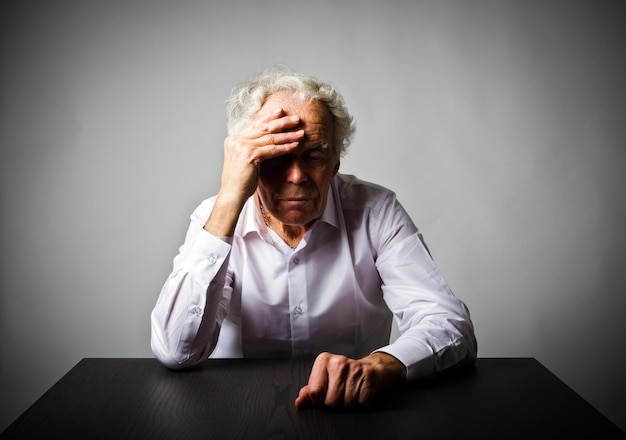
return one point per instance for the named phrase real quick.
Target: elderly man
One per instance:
(291, 258)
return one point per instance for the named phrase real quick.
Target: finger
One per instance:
(274, 145)
(304, 401)
(318, 381)
(268, 113)
(366, 391)
(339, 375)
(264, 147)
(281, 131)
(277, 125)
(271, 151)
(349, 382)
(360, 389)
(285, 137)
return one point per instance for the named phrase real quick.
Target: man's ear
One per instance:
(336, 168)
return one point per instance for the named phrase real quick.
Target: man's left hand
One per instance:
(337, 381)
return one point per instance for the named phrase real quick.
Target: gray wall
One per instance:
(500, 124)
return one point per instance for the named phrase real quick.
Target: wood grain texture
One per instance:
(254, 398)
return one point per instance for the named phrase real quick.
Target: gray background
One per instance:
(500, 124)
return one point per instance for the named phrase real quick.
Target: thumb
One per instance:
(304, 401)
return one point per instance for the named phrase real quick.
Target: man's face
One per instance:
(294, 187)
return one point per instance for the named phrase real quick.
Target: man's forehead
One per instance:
(291, 104)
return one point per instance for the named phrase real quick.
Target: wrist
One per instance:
(390, 370)
(224, 215)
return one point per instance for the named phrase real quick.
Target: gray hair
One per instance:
(248, 97)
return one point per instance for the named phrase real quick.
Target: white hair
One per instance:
(248, 97)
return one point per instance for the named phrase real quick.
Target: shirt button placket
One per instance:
(297, 285)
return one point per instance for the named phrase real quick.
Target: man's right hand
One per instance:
(270, 134)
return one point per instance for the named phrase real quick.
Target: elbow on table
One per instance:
(171, 361)
(168, 356)
(176, 355)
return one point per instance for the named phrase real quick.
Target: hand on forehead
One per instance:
(283, 102)
(314, 117)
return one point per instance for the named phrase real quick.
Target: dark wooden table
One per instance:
(249, 399)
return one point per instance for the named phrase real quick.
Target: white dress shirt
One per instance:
(361, 264)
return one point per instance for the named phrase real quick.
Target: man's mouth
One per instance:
(295, 198)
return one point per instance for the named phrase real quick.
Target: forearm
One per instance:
(225, 214)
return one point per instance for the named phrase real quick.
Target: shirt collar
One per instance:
(330, 215)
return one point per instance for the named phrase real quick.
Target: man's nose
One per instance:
(295, 172)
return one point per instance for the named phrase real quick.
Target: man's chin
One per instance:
(298, 220)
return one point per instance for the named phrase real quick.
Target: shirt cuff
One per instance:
(415, 355)
(207, 254)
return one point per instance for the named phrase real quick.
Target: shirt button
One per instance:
(212, 259)
(197, 310)
(298, 310)
(296, 260)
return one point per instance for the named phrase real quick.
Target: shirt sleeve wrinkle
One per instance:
(396, 222)
(170, 309)
(187, 317)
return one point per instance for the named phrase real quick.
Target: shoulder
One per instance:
(350, 185)
(373, 210)
(355, 193)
